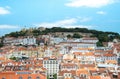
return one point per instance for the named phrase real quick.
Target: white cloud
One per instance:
(89, 3)
(101, 12)
(79, 26)
(84, 19)
(58, 23)
(9, 27)
(4, 10)
(67, 23)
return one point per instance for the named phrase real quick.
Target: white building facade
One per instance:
(52, 66)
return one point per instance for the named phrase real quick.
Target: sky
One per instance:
(103, 15)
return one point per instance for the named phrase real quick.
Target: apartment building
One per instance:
(52, 66)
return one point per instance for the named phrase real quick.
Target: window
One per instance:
(65, 75)
(44, 62)
(81, 75)
(56, 62)
(47, 62)
(115, 76)
(28, 62)
(37, 77)
(69, 75)
(50, 75)
(20, 78)
(50, 62)
(53, 62)
(29, 77)
(85, 76)
(82, 62)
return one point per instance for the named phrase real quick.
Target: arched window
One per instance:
(37, 77)
(20, 77)
(29, 77)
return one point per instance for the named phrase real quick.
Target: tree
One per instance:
(13, 58)
(55, 76)
(99, 44)
(76, 35)
(1, 45)
(103, 37)
(69, 36)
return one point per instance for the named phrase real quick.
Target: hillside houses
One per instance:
(51, 57)
(19, 41)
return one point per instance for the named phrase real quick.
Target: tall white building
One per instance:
(52, 66)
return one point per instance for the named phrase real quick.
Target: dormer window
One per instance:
(83, 75)
(67, 75)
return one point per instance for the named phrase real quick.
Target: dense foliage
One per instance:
(1, 45)
(76, 35)
(1, 42)
(102, 36)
